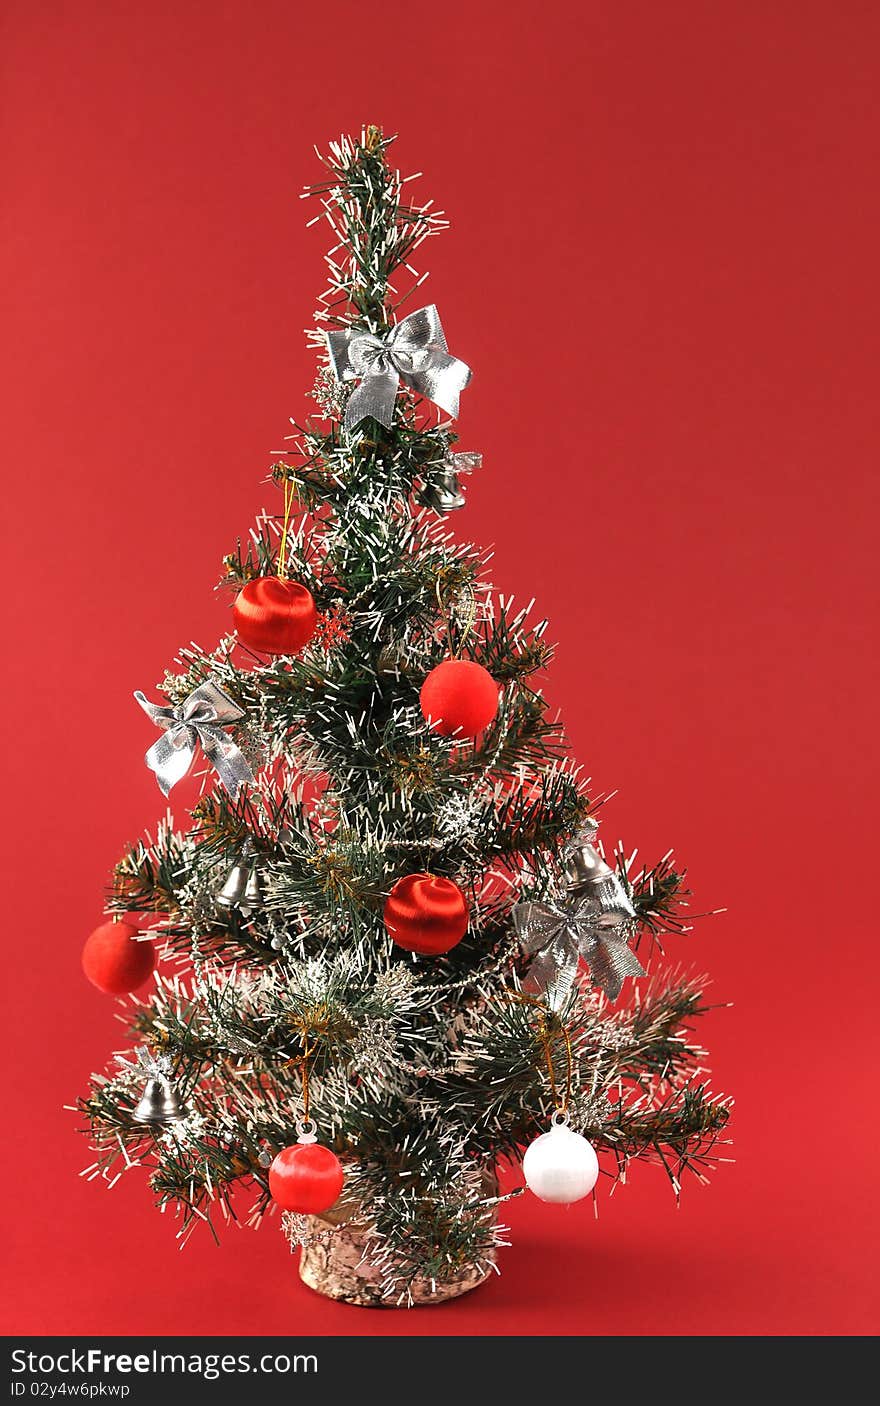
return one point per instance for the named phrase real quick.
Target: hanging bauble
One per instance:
(560, 1166)
(274, 616)
(426, 914)
(459, 698)
(307, 1177)
(160, 1104)
(115, 960)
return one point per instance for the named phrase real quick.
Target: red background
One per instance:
(663, 266)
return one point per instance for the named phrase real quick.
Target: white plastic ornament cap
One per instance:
(306, 1129)
(561, 1166)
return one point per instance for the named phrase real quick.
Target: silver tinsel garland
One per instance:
(375, 1047)
(300, 1231)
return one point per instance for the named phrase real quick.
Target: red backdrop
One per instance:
(663, 266)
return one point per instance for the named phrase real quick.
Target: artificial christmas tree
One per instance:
(387, 927)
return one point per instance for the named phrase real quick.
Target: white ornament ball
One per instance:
(561, 1166)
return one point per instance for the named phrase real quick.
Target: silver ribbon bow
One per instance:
(414, 351)
(200, 719)
(557, 934)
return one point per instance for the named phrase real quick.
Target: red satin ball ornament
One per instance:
(115, 961)
(459, 698)
(274, 616)
(425, 914)
(306, 1178)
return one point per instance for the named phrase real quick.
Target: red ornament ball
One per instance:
(459, 698)
(425, 914)
(306, 1178)
(274, 616)
(115, 961)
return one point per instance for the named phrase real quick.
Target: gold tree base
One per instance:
(336, 1265)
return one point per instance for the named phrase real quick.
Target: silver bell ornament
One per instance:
(253, 893)
(243, 888)
(588, 876)
(160, 1104)
(233, 891)
(443, 493)
(560, 1166)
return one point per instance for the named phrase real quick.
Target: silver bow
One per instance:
(414, 351)
(199, 719)
(557, 934)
